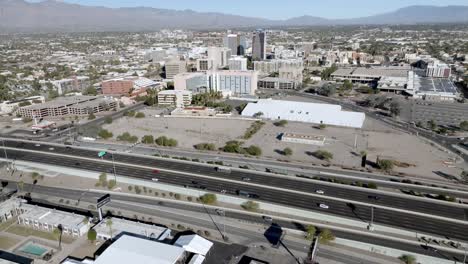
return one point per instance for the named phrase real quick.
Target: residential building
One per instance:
(46, 219)
(219, 56)
(259, 42)
(327, 114)
(77, 83)
(237, 63)
(236, 43)
(175, 67)
(177, 98)
(73, 105)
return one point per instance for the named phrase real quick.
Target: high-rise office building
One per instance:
(219, 56)
(236, 43)
(175, 67)
(238, 63)
(259, 41)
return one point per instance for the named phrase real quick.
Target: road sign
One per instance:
(101, 154)
(103, 200)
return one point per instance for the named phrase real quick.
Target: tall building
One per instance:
(204, 65)
(238, 63)
(219, 56)
(76, 83)
(175, 67)
(236, 43)
(259, 41)
(234, 82)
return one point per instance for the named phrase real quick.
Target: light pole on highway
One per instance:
(101, 155)
(370, 227)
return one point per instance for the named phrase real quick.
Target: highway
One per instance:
(119, 202)
(339, 208)
(297, 184)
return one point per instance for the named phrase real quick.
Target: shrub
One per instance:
(91, 116)
(254, 128)
(385, 165)
(250, 206)
(140, 115)
(177, 196)
(104, 134)
(323, 155)
(281, 123)
(254, 150)
(129, 113)
(127, 137)
(111, 184)
(147, 139)
(205, 146)
(166, 142)
(326, 236)
(108, 120)
(130, 188)
(287, 152)
(208, 198)
(92, 235)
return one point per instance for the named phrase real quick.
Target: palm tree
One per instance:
(109, 225)
(58, 231)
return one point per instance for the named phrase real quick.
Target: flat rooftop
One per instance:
(372, 72)
(51, 216)
(122, 225)
(63, 101)
(436, 85)
(129, 249)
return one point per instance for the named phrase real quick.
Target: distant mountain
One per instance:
(57, 16)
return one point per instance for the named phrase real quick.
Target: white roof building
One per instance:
(194, 244)
(305, 112)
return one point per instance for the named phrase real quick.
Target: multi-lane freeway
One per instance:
(120, 202)
(282, 193)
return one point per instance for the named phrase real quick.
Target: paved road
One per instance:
(120, 199)
(358, 194)
(339, 208)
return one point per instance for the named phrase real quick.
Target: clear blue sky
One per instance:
(276, 9)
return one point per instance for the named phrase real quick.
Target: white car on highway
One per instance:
(319, 191)
(324, 206)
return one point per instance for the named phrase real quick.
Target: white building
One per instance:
(238, 63)
(438, 69)
(196, 82)
(77, 83)
(177, 98)
(327, 114)
(235, 82)
(121, 225)
(271, 66)
(132, 249)
(219, 56)
(303, 139)
(48, 219)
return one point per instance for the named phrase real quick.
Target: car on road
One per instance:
(51, 148)
(319, 192)
(223, 191)
(267, 218)
(246, 179)
(220, 211)
(324, 206)
(37, 145)
(77, 163)
(155, 171)
(154, 179)
(195, 182)
(374, 197)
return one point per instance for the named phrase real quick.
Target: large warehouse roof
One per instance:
(305, 112)
(129, 249)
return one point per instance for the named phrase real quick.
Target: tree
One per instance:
(408, 259)
(147, 139)
(52, 94)
(166, 142)
(464, 125)
(464, 175)
(347, 85)
(92, 235)
(108, 120)
(395, 108)
(385, 165)
(432, 124)
(323, 155)
(90, 91)
(322, 126)
(91, 116)
(127, 137)
(250, 206)
(326, 74)
(327, 90)
(310, 232)
(326, 236)
(287, 151)
(111, 184)
(254, 150)
(208, 198)
(109, 225)
(258, 114)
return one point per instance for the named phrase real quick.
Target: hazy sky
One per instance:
(277, 9)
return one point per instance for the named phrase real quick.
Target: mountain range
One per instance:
(58, 16)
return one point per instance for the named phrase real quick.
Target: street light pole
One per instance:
(370, 227)
(113, 165)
